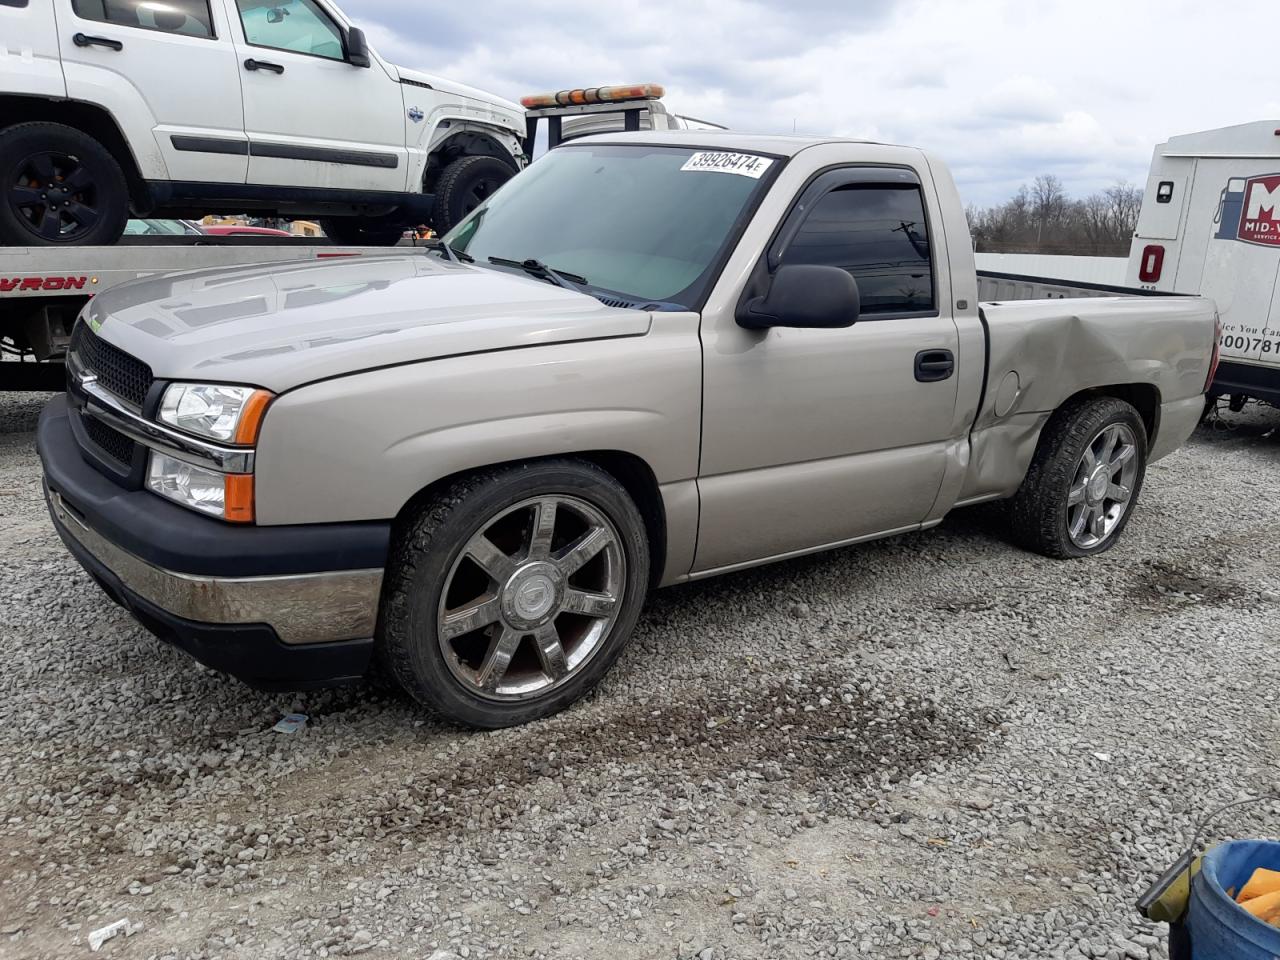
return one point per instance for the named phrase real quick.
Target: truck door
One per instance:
(29, 41)
(167, 73)
(314, 119)
(817, 437)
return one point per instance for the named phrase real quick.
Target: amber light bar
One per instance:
(587, 95)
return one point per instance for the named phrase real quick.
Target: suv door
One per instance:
(29, 49)
(816, 437)
(165, 71)
(313, 118)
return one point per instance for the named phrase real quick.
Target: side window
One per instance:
(299, 26)
(878, 233)
(190, 18)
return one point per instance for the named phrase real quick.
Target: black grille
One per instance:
(125, 376)
(111, 442)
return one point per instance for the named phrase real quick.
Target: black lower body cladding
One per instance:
(89, 509)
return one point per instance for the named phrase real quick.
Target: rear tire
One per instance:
(59, 187)
(1084, 480)
(511, 593)
(364, 231)
(464, 185)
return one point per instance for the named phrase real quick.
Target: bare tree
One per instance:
(1041, 218)
(1049, 201)
(1125, 201)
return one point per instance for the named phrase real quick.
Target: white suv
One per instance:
(189, 107)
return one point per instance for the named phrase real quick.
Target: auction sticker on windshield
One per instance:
(743, 164)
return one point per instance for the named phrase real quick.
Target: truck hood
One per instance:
(513, 112)
(284, 325)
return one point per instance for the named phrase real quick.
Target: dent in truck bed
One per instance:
(1037, 360)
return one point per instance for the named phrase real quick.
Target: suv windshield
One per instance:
(649, 223)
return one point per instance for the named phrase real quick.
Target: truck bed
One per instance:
(993, 286)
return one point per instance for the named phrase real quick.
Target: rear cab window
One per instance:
(294, 26)
(879, 233)
(191, 18)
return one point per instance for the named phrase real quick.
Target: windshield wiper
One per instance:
(536, 268)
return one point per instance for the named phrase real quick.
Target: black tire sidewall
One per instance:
(457, 181)
(1040, 509)
(432, 546)
(23, 140)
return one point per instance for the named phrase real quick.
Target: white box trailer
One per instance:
(1210, 225)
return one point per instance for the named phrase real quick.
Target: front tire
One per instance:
(1084, 480)
(512, 593)
(59, 187)
(464, 185)
(364, 231)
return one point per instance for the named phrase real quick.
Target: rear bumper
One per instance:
(1259, 382)
(280, 608)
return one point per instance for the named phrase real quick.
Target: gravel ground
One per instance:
(934, 746)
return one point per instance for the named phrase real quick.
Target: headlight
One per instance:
(227, 496)
(214, 411)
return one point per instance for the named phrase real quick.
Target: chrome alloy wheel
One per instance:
(531, 597)
(1102, 490)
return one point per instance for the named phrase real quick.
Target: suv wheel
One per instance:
(1084, 479)
(464, 185)
(364, 231)
(511, 594)
(59, 186)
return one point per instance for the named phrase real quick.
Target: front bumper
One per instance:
(278, 607)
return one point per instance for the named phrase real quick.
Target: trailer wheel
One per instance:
(1084, 479)
(59, 186)
(464, 185)
(364, 231)
(512, 592)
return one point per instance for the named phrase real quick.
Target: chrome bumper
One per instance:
(301, 608)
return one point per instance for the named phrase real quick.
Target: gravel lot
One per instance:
(931, 746)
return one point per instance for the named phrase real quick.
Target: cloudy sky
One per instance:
(1003, 89)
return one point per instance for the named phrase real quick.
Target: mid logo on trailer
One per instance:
(1250, 211)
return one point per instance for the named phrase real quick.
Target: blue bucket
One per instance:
(1219, 928)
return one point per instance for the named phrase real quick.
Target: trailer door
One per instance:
(1228, 254)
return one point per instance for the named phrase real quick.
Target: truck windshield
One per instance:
(649, 223)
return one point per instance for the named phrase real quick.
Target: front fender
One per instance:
(459, 117)
(361, 447)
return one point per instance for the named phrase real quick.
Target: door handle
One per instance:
(252, 64)
(82, 40)
(934, 365)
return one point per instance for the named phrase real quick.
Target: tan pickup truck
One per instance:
(652, 357)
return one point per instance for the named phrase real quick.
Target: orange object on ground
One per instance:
(1260, 884)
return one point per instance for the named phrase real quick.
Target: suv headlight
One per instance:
(223, 414)
(215, 411)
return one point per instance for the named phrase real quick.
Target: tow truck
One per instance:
(43, 289)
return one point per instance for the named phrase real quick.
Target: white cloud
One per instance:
(1002, 89)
